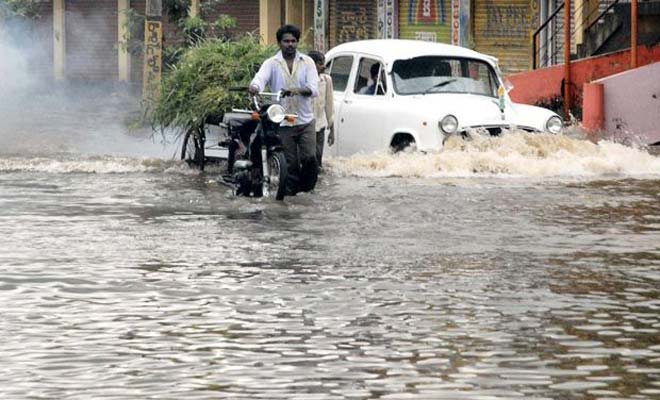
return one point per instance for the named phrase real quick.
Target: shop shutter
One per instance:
(503, 29)
(425, 20)
(352, 20)
(91, 40)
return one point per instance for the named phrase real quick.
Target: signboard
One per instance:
(456, 22)
(352, 23)
(320, 16)
(153, 56)
(387, 21)
(382, 30)
(425, 20)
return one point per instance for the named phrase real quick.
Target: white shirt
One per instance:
(323, 105)
(275, 73)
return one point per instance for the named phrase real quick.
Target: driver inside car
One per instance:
(373, 88)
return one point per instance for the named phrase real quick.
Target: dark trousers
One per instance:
(320, 142)
(300, 151)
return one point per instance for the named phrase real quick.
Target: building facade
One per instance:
(501, 28)
(82, 39)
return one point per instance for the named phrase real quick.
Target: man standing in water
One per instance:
(295, 73)
(323, 107)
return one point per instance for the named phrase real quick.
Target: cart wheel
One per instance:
(192, 150)
(231, 156)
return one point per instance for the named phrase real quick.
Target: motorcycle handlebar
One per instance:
(277, 96)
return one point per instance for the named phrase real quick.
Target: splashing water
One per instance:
(515, 154)
(94, 164)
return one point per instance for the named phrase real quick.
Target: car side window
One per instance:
(370, 79)
(340, 70)
(482, 77)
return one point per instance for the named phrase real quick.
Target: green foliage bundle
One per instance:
(197, 86)
(194, 29)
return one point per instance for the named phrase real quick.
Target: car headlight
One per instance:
(449, 124)
(554, 124)
(275, 113)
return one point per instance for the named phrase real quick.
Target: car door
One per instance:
(363, 115)
(339, 68)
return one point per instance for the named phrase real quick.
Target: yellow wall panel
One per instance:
(503, 29)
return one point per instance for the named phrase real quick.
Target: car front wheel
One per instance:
(403, 142)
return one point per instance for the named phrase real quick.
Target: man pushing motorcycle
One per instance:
(295, 75)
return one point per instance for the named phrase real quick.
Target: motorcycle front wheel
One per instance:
(277, 170)
(192, 150)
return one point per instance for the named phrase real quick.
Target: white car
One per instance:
(390, 94)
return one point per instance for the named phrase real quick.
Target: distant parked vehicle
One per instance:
(391, 94)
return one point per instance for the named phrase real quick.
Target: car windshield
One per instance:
(436, 74)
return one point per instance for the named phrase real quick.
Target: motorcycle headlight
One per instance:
(449, 124)
(276, 113)
(554, 124)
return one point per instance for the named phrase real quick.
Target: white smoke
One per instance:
(13, 69)
(88, 113)
(15, 53)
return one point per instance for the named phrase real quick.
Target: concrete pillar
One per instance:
(591, 10)
(270, 13)
(293, 12)
(320, 24)
(59, 39)
(307, 27)
(194, 8)
(567, 60)
(593, 108)
(580, 18)
(633, 34)
(154, 8)
(301, 14)
(153, 50)
(124, 57)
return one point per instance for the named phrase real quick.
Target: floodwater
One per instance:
(520, 267)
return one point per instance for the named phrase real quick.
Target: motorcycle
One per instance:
(251, 146)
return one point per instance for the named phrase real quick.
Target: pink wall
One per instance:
(541, 84)
(631, 104)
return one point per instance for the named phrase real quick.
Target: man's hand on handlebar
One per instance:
(296, 92)
(253, 90)
(290, 92)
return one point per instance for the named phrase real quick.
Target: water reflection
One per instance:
(161, 284)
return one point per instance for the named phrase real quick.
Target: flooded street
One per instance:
(520, 267)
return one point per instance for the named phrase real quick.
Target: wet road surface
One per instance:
(514, 267)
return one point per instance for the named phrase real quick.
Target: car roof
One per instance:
(401, 49)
